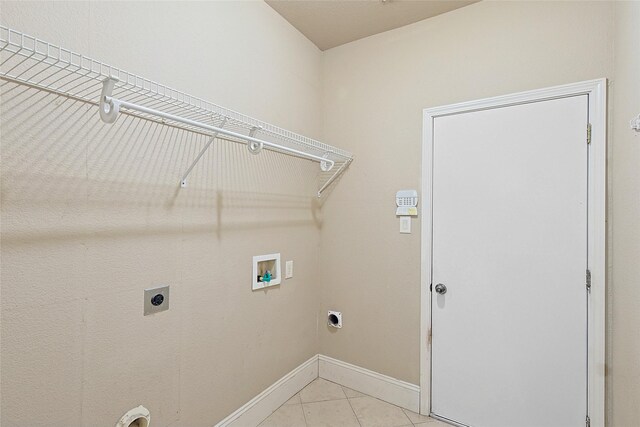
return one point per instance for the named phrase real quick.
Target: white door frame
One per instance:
(596, 233)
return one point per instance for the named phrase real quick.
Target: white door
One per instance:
(509, 336)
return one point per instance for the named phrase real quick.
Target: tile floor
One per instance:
(326, 404)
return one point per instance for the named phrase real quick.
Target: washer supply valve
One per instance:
(266, 277)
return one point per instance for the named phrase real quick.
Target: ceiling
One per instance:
(330, 23)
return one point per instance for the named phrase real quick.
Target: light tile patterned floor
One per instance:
(326, 404)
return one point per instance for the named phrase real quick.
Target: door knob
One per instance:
(441, 289)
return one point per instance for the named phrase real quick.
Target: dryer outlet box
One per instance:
(156, 300)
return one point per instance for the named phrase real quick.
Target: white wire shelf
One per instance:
(29, 61)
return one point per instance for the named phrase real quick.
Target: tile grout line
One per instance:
(350, 405)
(352, 410)
(303, 415)
(411, 423)
(404, 411)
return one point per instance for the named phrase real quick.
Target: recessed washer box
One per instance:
(266, 271)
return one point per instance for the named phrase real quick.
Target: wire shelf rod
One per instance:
(116, 104)
(129, 113)
(31, 62)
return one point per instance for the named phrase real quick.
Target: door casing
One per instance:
(596, 233)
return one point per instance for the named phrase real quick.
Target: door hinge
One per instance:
(430, 287)
(588, 133)
(588, 421)
(588, 280)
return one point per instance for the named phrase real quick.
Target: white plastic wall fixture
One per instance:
(334, 319)
(108, 109)
(635, 123)
(276, 276)
(139, 415)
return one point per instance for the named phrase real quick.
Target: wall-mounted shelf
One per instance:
(35, 63)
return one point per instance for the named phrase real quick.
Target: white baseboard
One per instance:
(260, 407)
(399, 393)
(383, 387)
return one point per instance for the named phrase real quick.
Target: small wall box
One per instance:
(262, 264)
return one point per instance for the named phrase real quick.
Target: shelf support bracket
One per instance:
(334, 176)
(183, 181)
(109, 107)
(254, 147)
(326, 165)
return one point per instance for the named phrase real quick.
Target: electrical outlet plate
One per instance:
(156, 300)
(405, 224)
(288, 266)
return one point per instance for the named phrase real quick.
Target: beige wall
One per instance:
(91, 216)
(374, 93)
(623, 392)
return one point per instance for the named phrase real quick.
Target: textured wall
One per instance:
(374, 92)
(624, 223)
(91, 216)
